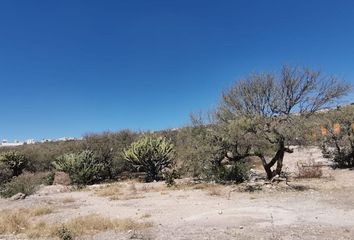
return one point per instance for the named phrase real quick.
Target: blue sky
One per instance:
(70, 67)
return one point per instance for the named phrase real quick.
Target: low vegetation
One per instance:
(309, 169)
(151, 155)
(23, 221)
(26, 183)
(19, 220)
(337, 136)
(83, 168)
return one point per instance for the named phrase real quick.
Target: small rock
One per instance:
(220, 212)
(241, 227)
(18, 196)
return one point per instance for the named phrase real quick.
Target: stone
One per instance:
(61, 178)
(18, 196)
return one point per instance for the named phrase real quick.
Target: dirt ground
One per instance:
(310, 209)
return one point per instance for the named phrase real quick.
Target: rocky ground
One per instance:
(320, 208)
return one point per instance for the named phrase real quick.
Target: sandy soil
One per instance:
(323, 209)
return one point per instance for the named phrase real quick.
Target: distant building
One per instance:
(66, 139)
(30, 141)
(5, 143)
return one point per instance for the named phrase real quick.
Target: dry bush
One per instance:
(68, 200)
(26, 183)
(309, 169)
(119, 192)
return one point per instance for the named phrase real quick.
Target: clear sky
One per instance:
(70, 67)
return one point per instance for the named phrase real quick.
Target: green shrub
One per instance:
(64, 233)
(5, 173)
(170, 175)
(344, 159)
(237, 172)
(338, 141)
(26, 183)
(83, 168)
(151, 155)
(14, 161)
(108, 148)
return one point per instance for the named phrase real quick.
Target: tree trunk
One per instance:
(277, 159)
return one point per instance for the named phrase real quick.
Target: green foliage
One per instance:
(64, 233)
(275, 106)
(83, 168)
(14, 161)
(5, 173)
(237, 172)
(344, 159)
(26, 183)
(41, 155)
(50, 178)
(151, 155)
(339, 145)
(108, 148)
(170, 175)
(193, 152)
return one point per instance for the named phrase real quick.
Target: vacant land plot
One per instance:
(315, 208)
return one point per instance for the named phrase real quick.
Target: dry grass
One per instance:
(309, 169)
(13, 222)
(41, 211)
(108, 190)
(215, 191)
(93, 224)
(19, 220)
(22, 221)
(68, 200)
(146, 215)
(119, 192)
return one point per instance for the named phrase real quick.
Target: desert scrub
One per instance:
(83, 168)
(235, 173)
(338, 136)
(14, 161)
(26, 183)
(151, 155)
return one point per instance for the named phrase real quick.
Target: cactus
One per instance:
(14, 161)
(83, 168)
(151, 155)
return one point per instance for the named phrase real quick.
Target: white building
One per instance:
(5, 143)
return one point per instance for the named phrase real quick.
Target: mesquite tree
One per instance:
(338, 137)
(151, 155)
(273, 107)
